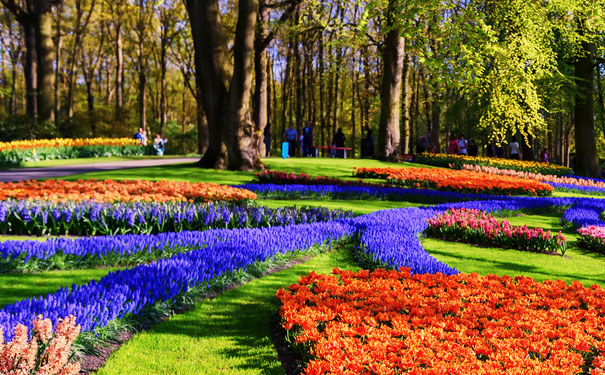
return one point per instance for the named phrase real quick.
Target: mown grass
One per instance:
(578, 264)
(359, 207)
(15, 287)
(226, 335)
(337, 168)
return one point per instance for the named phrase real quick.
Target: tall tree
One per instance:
(225, 85)
(35, 18)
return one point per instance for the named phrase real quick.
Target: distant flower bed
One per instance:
(457, 180)
(289, 178)
(593, 238)
(12, 154)
(388, 322)
(478, 227)
(91, 218)
(121, 191)
(457, 162)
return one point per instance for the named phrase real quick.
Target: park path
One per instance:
(37, 173)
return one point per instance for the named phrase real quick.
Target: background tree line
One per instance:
(212, 75)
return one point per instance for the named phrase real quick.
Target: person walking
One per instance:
(158, 144)
(291, 138)
(267, 140)
(339, 141)
(141, 137)
(462, 145)
(514, 148)
(473, 150)
(452, 147)
(308, 140)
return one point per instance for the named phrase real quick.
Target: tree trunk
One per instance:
(45, 66)
(390, 94)
(30, 68)
(436, 120)
(230, 125)
(405, 107)
(58, 46)
(119, 82)
(587, 162)
(260, 98)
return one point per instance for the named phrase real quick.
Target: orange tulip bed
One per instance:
(122, 191)
(389, 322)
(461, 181)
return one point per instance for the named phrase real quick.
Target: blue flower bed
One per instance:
(129, 291)
(272, 191)
(90, 218)
(588, 190)
(585, 212)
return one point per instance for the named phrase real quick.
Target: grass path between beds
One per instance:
(229, 334)
(578, 264)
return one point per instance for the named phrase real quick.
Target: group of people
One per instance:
(305, 141)
(158, 141)
(462, 146)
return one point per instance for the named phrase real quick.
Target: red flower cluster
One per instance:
(457, 180)
(289, 178)
(388, 322)
(122, 191)
(478, 227)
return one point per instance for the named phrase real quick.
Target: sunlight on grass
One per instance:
(578, 264)
(358, 207)
(227, 335)
(109, 159)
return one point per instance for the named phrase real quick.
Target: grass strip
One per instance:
(229, 334)
(315, 167)
(578, 264)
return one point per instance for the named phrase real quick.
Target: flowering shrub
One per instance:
(389, 322)
(90, 218)
(47, 353)
(476, 226)
(457, 161)
(123, 190)
(457, 180)
(592, 237)
(129, 291)
(12, 154)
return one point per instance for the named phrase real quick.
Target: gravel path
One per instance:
(37, 173)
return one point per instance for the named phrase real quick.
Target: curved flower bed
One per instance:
(457, 180)
(478, 227)
(457, 161)
(290, 178)
(558, 180)
(584, 212)
(61, 253)
(123, 190)
(12, 154)
(129, 291)
(389, 322)
(91, 218)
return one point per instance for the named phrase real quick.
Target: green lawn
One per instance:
(358, 207)
(15, 287)
(338, 168)
(579, 264)
(227, 335)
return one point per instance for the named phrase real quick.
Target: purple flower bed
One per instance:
(91, 218)
(129, 291)
(577, 188)
(584, 213)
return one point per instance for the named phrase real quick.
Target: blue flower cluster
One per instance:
(272, 191)
(128, 291)
(91, 218)
(591, 190)
(585, 212)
